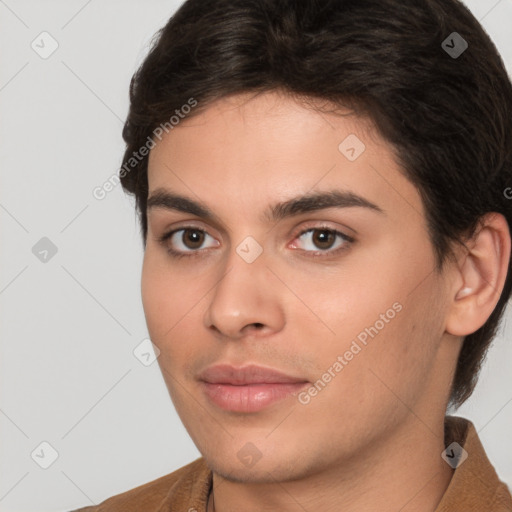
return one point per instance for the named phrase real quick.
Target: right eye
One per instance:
(187, 239)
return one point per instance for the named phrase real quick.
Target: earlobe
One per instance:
(483, 271)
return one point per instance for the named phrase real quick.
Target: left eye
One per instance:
(323, 239)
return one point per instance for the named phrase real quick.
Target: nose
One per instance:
(246, 300)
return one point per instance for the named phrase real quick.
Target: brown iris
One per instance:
(194, 236)
(322, 237)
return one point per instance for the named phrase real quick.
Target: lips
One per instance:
(249, 374)
(248, 389)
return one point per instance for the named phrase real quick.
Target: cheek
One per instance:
(162, 297)
(396, 364)
(376, 325)
(346, 303)
(172, 305)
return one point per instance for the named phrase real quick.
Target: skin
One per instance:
(372, 438)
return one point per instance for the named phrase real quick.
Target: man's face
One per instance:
(361, 321)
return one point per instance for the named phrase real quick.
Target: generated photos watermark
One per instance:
(304, 397)
(100, 192)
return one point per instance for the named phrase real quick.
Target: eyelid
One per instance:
(318, 224)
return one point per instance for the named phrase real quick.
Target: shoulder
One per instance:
(475, 485)
(151, 495)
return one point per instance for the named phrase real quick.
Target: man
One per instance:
(322, 189)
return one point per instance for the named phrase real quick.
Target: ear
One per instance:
(480, 276)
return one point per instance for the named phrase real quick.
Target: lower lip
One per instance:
(250, 397)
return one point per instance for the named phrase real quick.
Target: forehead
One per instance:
(246, 151)
(272, 123)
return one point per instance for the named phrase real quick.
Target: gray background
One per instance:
(69, 325)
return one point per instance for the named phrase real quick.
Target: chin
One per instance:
(277, 466)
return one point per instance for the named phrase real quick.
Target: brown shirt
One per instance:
(474, 485)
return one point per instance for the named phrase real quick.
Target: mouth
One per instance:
(250, 388)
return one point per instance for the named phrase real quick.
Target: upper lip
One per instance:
(249, 374)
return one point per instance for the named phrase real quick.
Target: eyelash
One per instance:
(197, 253)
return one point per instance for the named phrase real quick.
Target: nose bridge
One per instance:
(244, 295)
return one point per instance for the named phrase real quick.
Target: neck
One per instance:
(404, 473)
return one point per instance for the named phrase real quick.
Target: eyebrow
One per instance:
(168, 200)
